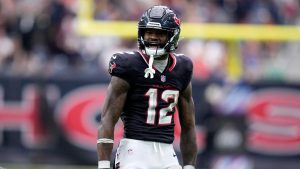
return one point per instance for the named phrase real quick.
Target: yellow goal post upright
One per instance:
(230, 33)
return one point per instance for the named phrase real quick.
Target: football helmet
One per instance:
(163, 18)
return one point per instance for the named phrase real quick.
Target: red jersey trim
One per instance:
(173, 63)
(172, 56)
(146, 59)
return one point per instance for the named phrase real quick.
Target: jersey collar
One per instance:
(172, 59)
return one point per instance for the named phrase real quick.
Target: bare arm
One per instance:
(188, 144)
(113, 106)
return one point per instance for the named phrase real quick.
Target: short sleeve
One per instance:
(189, 71)
(119, 66)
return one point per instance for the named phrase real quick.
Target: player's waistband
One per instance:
(158, 147)
(146, 142)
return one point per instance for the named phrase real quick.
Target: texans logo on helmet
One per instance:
(177, 20)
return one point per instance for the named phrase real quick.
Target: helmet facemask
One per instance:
(158, 49)
(154, 47)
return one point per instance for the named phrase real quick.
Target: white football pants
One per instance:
(138, 154)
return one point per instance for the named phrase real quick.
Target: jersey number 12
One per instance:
(168, 96)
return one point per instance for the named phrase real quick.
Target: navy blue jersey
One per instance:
(150, 103)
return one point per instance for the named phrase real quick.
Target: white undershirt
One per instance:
(160, 65)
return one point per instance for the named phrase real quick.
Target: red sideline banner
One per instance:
(56, 120)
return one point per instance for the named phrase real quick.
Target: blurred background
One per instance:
(53, 77)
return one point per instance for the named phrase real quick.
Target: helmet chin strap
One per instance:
(150, 71)
(153, 53)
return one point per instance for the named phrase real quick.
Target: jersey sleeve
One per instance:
(119, 66)
(188, 71)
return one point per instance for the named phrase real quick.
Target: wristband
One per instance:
(103, 164)
(105, 140)
(188, 167)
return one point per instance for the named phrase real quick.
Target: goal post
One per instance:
(229, 33)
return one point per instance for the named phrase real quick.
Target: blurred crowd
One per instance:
(38, 38)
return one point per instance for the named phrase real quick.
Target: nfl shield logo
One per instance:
(163, 78)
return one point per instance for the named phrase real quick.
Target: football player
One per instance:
(146, 87)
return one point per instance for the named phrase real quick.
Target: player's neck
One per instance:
(160, 65)
(163, 57)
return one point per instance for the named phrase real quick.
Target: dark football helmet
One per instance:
(159, 17)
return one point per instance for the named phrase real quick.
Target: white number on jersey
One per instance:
(166, 96)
